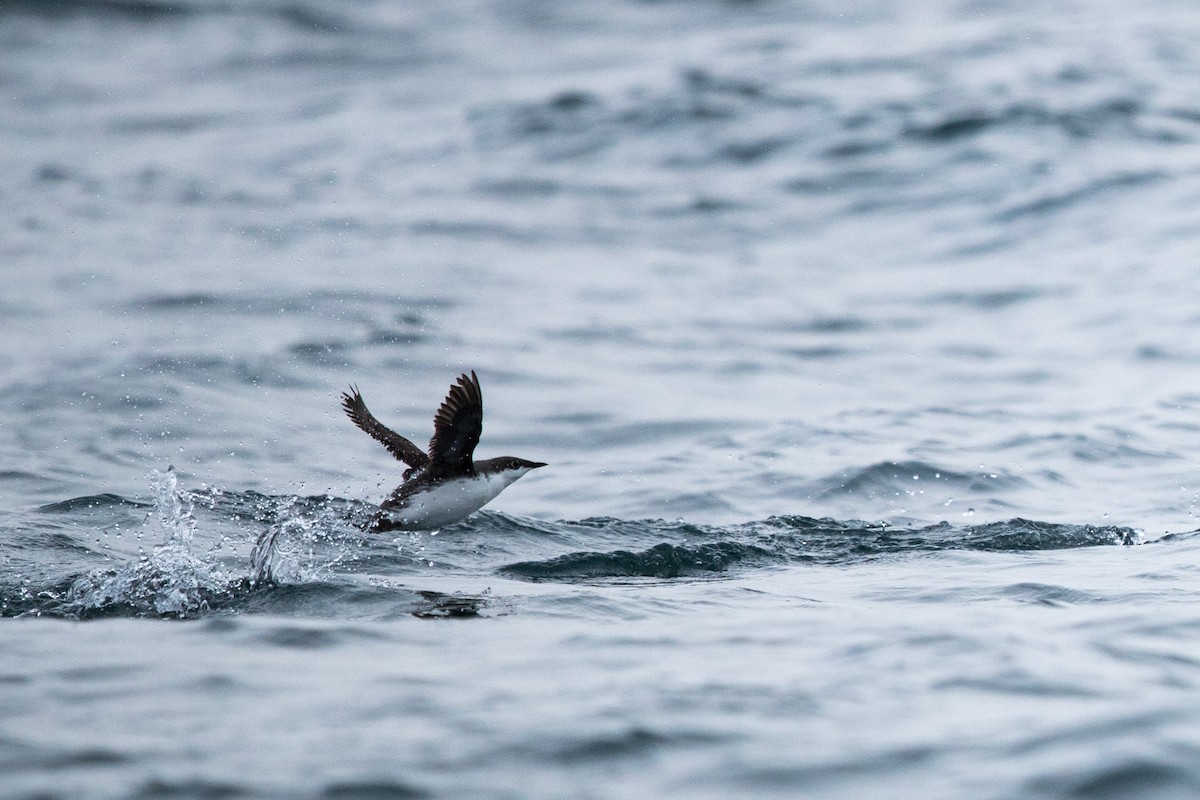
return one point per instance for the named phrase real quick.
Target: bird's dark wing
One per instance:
(397, 445)
(456, 428)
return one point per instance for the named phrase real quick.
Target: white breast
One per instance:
(451, 501)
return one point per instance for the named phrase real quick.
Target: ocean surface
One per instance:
(863, 342)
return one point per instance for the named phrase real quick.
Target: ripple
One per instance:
(145, 10)
(1131, 779)
(661, 561)
(1051, 201)
(803, 540)
(893, 477)
(195, 789)
(90, 503)
(371, 790)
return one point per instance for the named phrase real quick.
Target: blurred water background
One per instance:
(861, 340)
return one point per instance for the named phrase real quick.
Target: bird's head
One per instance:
(514, 464)
(507, 468)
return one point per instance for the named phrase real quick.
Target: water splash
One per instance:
(173, 507)
(308, 540)
(170, 580)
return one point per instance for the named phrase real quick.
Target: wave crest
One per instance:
(797, 540)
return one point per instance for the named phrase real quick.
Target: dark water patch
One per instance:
(1017, 535)
(519, 188)
(371, 790)
(164, 123)
(1158, 352)
(203, 368)
(314, 18)
(337, 599)
(1020, 682)
(661, 430)
(847, 179)
(888, 763)
(1182, 536)
(330, 353)
(52, 172)
(476, 230)
(312, 54)
(632, 743)
(44, 540)
(996, 299)
(311, 599)
(955, 127)
(298, 637)
(1088, 449)
(699, 503)
(578, 419)
(971, 352)
(1080, 122)
(194, 789)
(1048, 595)
(569, 125)
(395, 336)
(1049, 203)
(175, 302)
(661, 561)
(709, 204)
(701, 80)
(825, 324)
(855, 148)
(217, 684)
(892, 478)
(752, 150)
(435, 605)
(1133, 779)
(816, 353)
(335, 303)
(1142, 657)
(90, 503)
(578, 123)
(788, 540)
(137, 10)
(88, 757)
(702, 205)
(619, 334)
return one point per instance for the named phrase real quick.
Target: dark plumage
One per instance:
(446, 483)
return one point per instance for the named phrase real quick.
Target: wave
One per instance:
(90, 502)
(896, 477)
(139, 10)
(802, 540)
(259, 553)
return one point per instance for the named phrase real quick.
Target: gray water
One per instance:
(861, 341)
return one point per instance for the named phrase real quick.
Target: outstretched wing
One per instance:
(456, 428)
(397, 445)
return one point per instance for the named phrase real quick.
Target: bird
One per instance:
(445, 484)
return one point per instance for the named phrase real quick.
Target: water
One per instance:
(862, 344)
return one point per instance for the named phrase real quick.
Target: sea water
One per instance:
(861, 340)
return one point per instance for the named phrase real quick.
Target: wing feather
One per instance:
(402, 449)
(456, 428)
